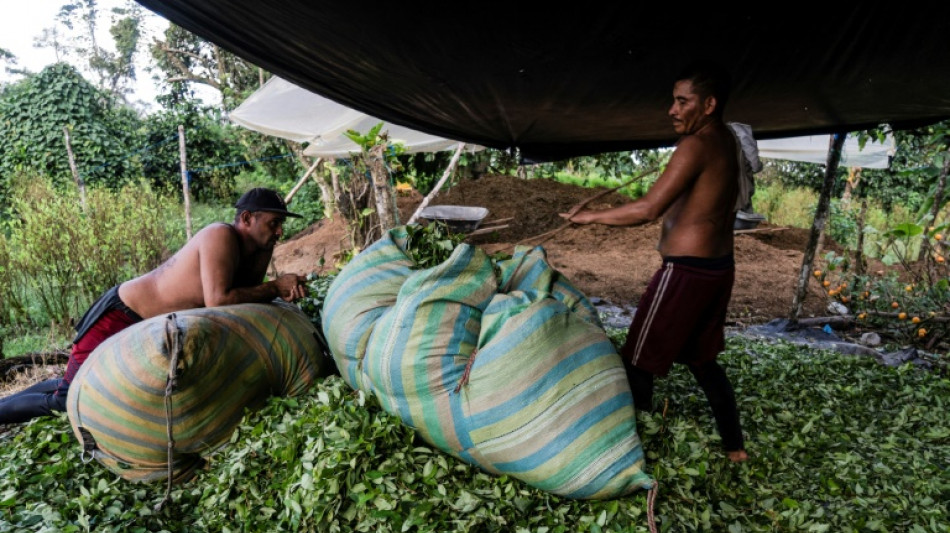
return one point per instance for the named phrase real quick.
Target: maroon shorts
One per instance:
(106, 317)
(681, 316)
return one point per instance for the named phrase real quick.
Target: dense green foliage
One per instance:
(212, 152)
(909, 181)
(58, 256)
(838, 444)
(33, 113)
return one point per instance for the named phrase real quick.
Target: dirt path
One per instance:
(611, 263)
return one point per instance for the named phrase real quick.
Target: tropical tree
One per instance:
(184, 59)
(112, 71)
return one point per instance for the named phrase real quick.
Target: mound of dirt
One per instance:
(611, 263)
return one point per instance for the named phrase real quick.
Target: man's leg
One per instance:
(641, 385)
(35, 401)
(722, 399)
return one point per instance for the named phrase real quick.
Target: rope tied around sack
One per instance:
(651, 499)
(173, 337)
(468, 369)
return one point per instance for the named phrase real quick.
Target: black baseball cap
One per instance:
(262, 199)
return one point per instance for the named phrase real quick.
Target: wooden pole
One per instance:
(821, 214)
(184, 179)
(72, 166)
(382, 191)
(935, 208)
(438, 185)
(538, 239)
(303, 180)
(859, 260)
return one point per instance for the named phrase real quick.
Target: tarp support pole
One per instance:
(445, 176)
(821, 214)
(72, 166)
(303, 180)
(185, 191)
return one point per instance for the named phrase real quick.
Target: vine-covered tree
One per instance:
(33, 113)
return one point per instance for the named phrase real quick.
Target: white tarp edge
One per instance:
(284, 110)
(814, 149)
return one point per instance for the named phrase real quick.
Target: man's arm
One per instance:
(684, 167)
(219, 259)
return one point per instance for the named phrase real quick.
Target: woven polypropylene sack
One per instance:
(360, 293)
(419, 348)
(229, 359)
(521, 382)
(528, 269)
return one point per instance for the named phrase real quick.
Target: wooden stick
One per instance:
(759, 230)
(185, 191)
(445, 176)
(547, 235)
(487, 229)
(303, 180)
(72, 166)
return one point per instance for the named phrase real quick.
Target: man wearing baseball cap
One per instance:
(222, 264)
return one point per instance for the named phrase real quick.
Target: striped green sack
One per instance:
(547, 401)
(418, 349)
(229, 359)
(362, 291)
(523, 383)
(528, 269)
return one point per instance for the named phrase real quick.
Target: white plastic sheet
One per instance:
(814, 149)
(284, 110)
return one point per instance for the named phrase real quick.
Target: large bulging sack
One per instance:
(229, 359)
(510, 372)
(365, 288)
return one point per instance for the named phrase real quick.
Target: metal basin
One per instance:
(459, 218)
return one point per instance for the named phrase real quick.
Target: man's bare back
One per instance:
(220, 265)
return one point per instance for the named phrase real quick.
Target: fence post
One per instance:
(184, 179)
(72, 166)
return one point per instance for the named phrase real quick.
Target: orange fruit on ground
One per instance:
(844, 299)
(901, 316)
(825, 283)
(915, 320)
(862, 316)
(921, 332)
(939, 237)
(909, 288)
(895, 305)
(817, 273)
(940, 259)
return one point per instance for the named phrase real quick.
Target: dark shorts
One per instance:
(106, 317)
(682, 315)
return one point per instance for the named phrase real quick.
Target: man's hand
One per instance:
(577, 216)
(291, 286)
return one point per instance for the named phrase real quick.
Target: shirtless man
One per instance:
(681, 316)
(222, 264)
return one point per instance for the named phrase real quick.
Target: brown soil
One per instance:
(611, 263)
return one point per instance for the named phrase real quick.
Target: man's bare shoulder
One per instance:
(216, 232)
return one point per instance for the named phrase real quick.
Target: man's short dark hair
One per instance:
(709, 79)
